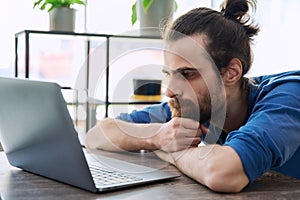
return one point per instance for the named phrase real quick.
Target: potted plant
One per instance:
(153, 13)
(61, 13)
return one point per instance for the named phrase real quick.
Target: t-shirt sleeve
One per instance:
(271, 135)
(158, 113)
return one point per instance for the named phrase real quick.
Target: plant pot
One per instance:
(62, 19)
(157, 15)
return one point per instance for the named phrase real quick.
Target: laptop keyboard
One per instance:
(104, 177)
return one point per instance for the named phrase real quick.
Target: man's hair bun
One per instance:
(238, 10)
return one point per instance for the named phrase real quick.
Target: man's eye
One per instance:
(188, 74)
(166, 74)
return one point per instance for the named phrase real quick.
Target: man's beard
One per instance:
(188, 109)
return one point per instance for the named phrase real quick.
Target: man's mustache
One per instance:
(184, 108)
(175, 107)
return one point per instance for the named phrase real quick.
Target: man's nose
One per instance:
(173, 89)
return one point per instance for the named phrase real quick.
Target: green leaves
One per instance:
(176, 6)
(56, 3)
(146, 5)
(133, 15)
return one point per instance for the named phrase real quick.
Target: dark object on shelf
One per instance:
(147, 89)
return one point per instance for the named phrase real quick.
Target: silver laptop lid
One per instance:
(37, 132)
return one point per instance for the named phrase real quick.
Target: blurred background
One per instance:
(61, 59)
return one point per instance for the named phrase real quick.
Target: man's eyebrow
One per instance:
(179, 70)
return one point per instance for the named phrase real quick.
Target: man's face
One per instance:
(193, 85)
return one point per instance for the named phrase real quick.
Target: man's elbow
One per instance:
(225, 172)
(229, 178)
(226, 182)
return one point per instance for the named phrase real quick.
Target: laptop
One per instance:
(38, 136)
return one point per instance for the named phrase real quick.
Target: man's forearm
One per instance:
(116, 135)
(217, 167)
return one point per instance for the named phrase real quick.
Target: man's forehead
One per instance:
(186, 53)
(189, 48)
(195, 43)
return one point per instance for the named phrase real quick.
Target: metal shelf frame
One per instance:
(28, 33)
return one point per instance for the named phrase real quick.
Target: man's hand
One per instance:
(170, 157)
(165, 156)
(178, 134)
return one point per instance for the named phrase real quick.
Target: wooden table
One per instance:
(18, 184)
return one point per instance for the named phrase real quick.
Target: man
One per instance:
(248, 126)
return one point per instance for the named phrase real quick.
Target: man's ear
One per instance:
(233, 72)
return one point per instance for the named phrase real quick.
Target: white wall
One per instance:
(276, 48)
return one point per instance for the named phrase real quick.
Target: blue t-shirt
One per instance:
(270, 139)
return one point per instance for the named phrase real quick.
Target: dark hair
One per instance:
(229, 32)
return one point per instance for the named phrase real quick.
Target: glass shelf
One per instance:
(100, 66)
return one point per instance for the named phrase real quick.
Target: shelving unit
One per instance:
(109, 51)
